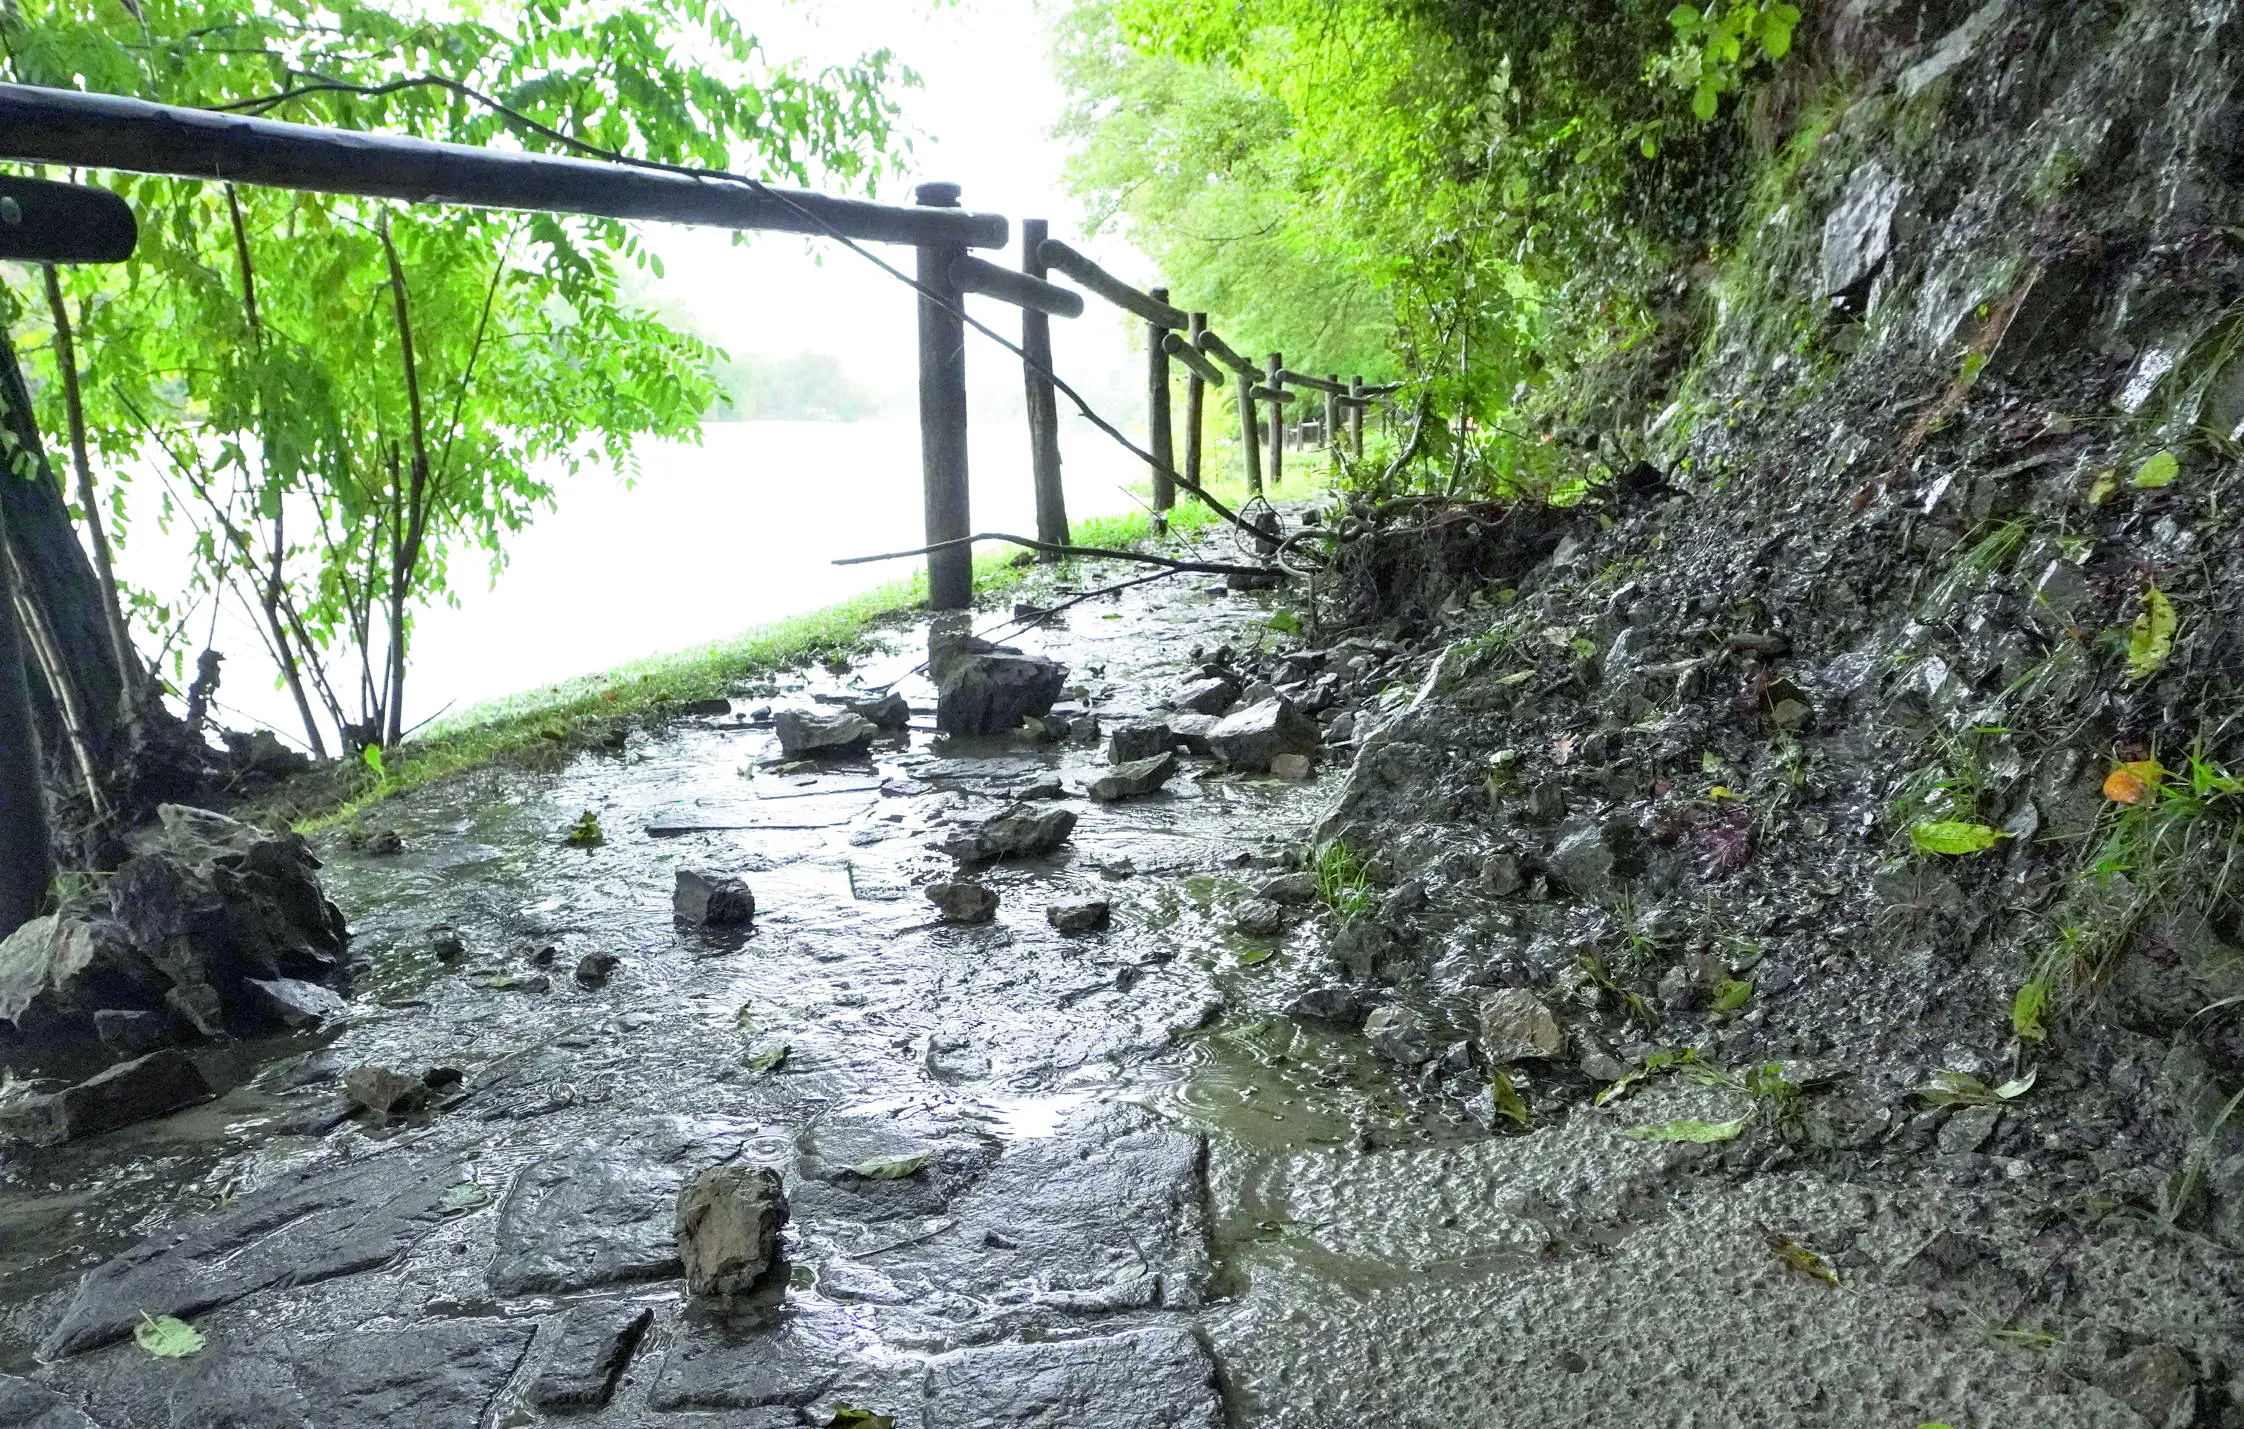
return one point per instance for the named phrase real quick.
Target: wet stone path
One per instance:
(1044, 1257)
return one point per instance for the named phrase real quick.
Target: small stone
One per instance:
(1252, 737)
(1191, 731)
(446, 943)
(1399, 1034)
(713, 900)
(146, 1087)
(1294, 890)
(1515, 1026)
(963, 902)
(1583, 860)
(593, 968)
(1041, 789)
(1293, 767)
(384, 1092)
(1257, 692)
(1019, 832)
(803, 732)
(1500, 871)
(1331, 1003)
(1967, 1129)
(1258, 918)
(1135, 779)
(130, 1033)
(294, 1003)
(1211, 696)
(1140, 739)
(384, 843)
(729, 1219)
(889, 712)
(1342, 730)
(1084, 916)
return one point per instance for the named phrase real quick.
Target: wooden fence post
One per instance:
(1250, 434)
(1043, 402)
(1163, 441)
(1356, 415)
(1277, 383)
(1332, 423)
(942, 415)
(1195, 403)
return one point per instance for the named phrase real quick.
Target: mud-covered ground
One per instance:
(1149, 1175)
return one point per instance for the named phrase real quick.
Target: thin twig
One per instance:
(1213, 568)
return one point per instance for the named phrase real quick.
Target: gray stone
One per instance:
(1859, 232)
(985, 689)
(1250, 738)
(130, 1033)
(729, 1219)
(308, 1226)
(1515, 1026)
(1211, 696)
(963, 902)
(1342, 730)
(1139, 739)
(591, 1345)
(1019, 832)
(1582, 859)
(1258, 917)
(1399, 1034)
(145, 1087)
(25, 1405)
(385, 1092)
(593, 969)
(1331, 1003)
(2156, 1381)
(1160, 1378)
(1134, 779)
(295, 1003)
(811, 732)
(600, 1215)
(1967, 1129)
(1292, 767)
(715, 900)
(889, 712)
(1192, 730)
(440, 1372)
(1500, 871)
(1294, 890)
(789, 1360)
(446, 944)
(1086, 915)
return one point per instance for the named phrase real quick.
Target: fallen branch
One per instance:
(1213, 568)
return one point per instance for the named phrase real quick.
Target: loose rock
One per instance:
(985, 689)
(1332, 1003)
(297, 1004)
(1294, 890)
(1250, 738)
(1086, 916)
(1294, 767)
(963, 902)
(1134, 779)
(592, 1344)
(593, 969)
(385, 1092)
(1211, 696)
(889, 712)
(714, 900)
(1140, 739)
(1516, 1027)
(812, 732)
(1019, 832)
(132, 1091)
(729, 1219)
(1258, 918)
(1399, 1034)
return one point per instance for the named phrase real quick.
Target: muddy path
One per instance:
(1124, 1177)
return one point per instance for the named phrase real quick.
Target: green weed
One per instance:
(1343, 880)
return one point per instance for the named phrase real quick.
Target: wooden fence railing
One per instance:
(53, 222)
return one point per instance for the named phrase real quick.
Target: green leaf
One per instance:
(846, 1417)
(1802, 1259)
(1509, 1103)
(1952, 836)
(1252, 956)
(1688, 1129)
(1732, 995)
(770, 1059)
(1684, 18)
(2158, 469)
(465, 1196)
(585, 832)
(2151, 638)
(1649, 147)
(2028, 1008)
(891, 1168)
(1706, 100)
(1963, 1089)
(167, 1338)
(1284, 621)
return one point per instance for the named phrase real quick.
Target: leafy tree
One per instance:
(340, 394)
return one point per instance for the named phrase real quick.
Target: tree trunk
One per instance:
(413, 519)
(26, 860)
(97, 535)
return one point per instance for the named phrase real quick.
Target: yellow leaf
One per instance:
(2151, 638)
(2129, 783)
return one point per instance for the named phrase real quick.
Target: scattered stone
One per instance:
(889, 712)
(1258, 918)
(1342, 730)
(1516, 1027)
(1134, 779)
(592, 1344)
(1250, 738)
(963, 902)
(516, 982)
(1019, 832)
(132, 1091)
(1294, 890)
(593, 969)
(443, 1079)
(816, 732)
(1330, 1003)
(1291, 767)
(1583, 860)
(1140, 739)
(985, 689)
(1858, 233)
(130, 1033)
(1399, 1034)
(385, 843)
(1501, 872)
(712, 900)
(704, 709)
(1191, 731)
(1049, 788)
(2156, 1381)
(729, 1219)
(386, 1093)
(1967, 1129)
(1211, 696)
(1083, 916)
(295, 1003)
(446, 944)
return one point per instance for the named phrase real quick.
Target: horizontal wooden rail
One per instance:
(105, 131)
(1175, 345)
(1272, 394)
(1302, 379)
(975, 275)
(1213, 346)
(46, 222)
(1058, 255)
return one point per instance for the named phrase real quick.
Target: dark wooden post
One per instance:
(1163, 440)
(942, 416)
(26, 859)
(1332, 422)
(1043, 401)
(1250, 434)
(1277, 383)
(1195, 403)
(1356, 415)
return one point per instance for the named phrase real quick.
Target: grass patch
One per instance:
(579, 713)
